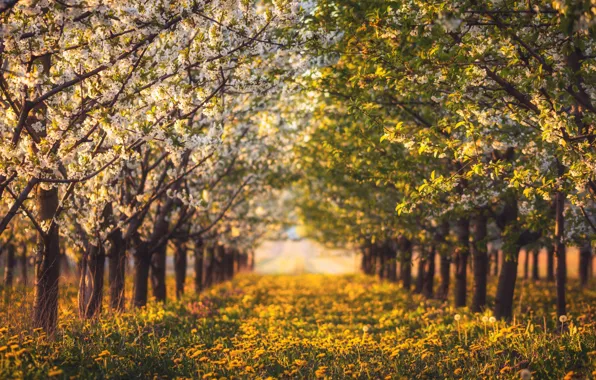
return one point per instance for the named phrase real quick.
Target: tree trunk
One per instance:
(232, 254)
(550, 263)
(199, 248)
(24, 265)
(560, 253)
(364, 260)
(429, 277)
(237, 258)
(480, 254)
(461, 261)
(11, 262)
(142, 258)
(444, 251)
(243, 261)
(535, 264)
(381, 259)
(117, 268)
(180, 265)
(585, 253)
(158, 273)
(496, 262)
(158, 249)
(373, 260)
(210, 267)
(221, 263)
(370, 261)
(445, 272)
(420, 275)
(91, 282)
(527, 264)
(506, 285)
(406, 263)
(391, 262)
(47, 264)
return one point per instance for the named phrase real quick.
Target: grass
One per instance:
(307, 326)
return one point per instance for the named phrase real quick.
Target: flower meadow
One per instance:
(308, 326)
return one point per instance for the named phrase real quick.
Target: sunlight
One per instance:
(303, 256)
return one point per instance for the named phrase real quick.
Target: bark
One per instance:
(11, 263)
(406, 262)
(199, 249)
(373, 260)
(243, 262)
(142, 258)
(230, 268)
(585, 254)
(24, 265)
(445, 261)
(363, 260)
(47, 264)
(420, 275)
(237, 261)
(461, 261)
(91, 282)
(560, 253)
(511, 237)
(368, 259)
(506, 286)
(180, 265)
(381, 261)
(480, 254)
(117, 268)
(535, 265)
(550, 263)
(445, 271)
(83, 279)
(391, 262)
(495, 256)
(219, 264)
(252, 261)
(210, 266)
(158, 254)
(158, 273)
(159, 241)
(429, 276)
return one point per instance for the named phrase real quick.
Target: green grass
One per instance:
(307, 326)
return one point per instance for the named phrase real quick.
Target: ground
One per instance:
(309, 326)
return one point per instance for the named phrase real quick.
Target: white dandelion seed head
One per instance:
(525, 374)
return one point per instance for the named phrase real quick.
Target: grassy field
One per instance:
(310, 326)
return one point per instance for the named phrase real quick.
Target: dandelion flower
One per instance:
(492, 319)
(484, 319)
(457, 317)
(366, 328)
(563, 318)
(525, 374)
